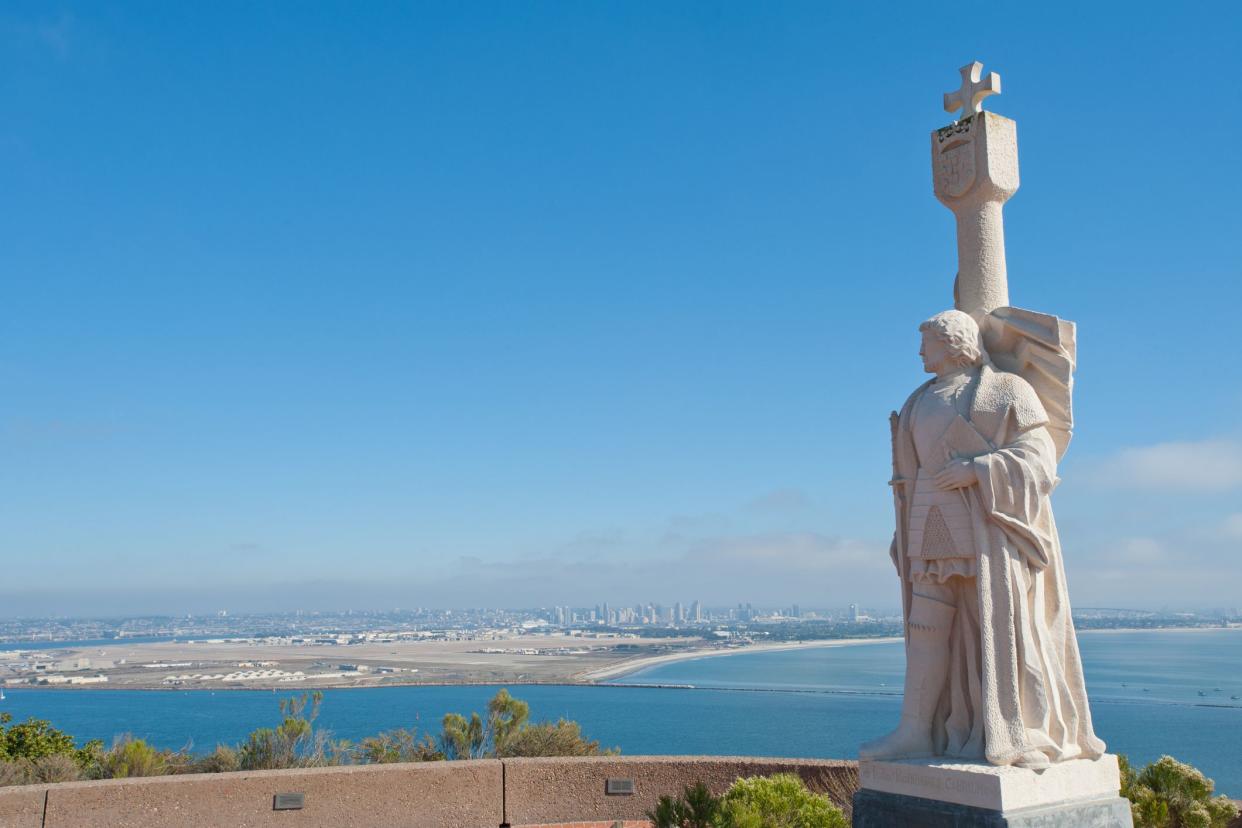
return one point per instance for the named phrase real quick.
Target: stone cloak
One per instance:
(1015, 679)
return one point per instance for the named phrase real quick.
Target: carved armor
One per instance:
(940, 522)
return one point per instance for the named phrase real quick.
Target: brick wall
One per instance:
(477, 794)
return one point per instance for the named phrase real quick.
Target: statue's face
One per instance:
(934, 353)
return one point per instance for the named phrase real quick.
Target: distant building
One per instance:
(71, 664)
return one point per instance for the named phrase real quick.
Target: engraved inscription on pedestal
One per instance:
(890, 775)
(1000, 788)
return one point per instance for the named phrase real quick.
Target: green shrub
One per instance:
(695, 808)
(1171, 794)
(506, 732)
(559, 738)
(34, 751)
(779, 801)
(35, 739)
(398, 745)
(223, 759)
(131, 757)
(476, 738)
(295, 742)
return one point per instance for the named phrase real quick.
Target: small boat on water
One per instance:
(1202, 692)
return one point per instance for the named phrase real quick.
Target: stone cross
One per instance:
(974, 172)
(969, 98)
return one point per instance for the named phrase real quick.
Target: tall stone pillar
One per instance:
(975, 171)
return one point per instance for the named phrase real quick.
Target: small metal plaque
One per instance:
(289, 802)
(619, 787)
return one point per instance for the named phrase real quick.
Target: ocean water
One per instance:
(17, 644)
(818, 702)
(1152, 692)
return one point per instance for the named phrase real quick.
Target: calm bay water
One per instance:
(94, 642)
(803, 703)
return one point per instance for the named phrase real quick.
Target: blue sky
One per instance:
(341, 305)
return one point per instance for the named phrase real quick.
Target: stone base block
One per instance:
(954, 794)
(993, 787)
(875, 809)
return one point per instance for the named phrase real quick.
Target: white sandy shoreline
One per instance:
(633, 665)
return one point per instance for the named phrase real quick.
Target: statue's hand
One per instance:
(957, 475)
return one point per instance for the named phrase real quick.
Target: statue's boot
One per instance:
(927, 666)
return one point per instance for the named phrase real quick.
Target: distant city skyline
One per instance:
(347, 625)
(493, 304)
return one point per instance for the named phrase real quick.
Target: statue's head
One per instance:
(951, 340)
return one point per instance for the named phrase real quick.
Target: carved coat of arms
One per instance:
(955, 166)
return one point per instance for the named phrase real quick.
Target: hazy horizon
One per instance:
(255, 607)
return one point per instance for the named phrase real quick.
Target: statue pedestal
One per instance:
(938, 792)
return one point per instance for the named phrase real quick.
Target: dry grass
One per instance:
(839, 783)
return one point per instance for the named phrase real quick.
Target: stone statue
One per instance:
(992, 664)
(995, 727)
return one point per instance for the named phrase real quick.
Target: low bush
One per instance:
(57, 767)
(1171, 794)
(16, 772)
(479, 737)
(131, 757)
(695, 808)
(398, 745)
(559, 738)
(36, 739)
(506, 732)
(295, 742)
(34, 751)
(223, 759)
(779, 801)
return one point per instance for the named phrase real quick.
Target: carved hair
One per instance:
(960, 335)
